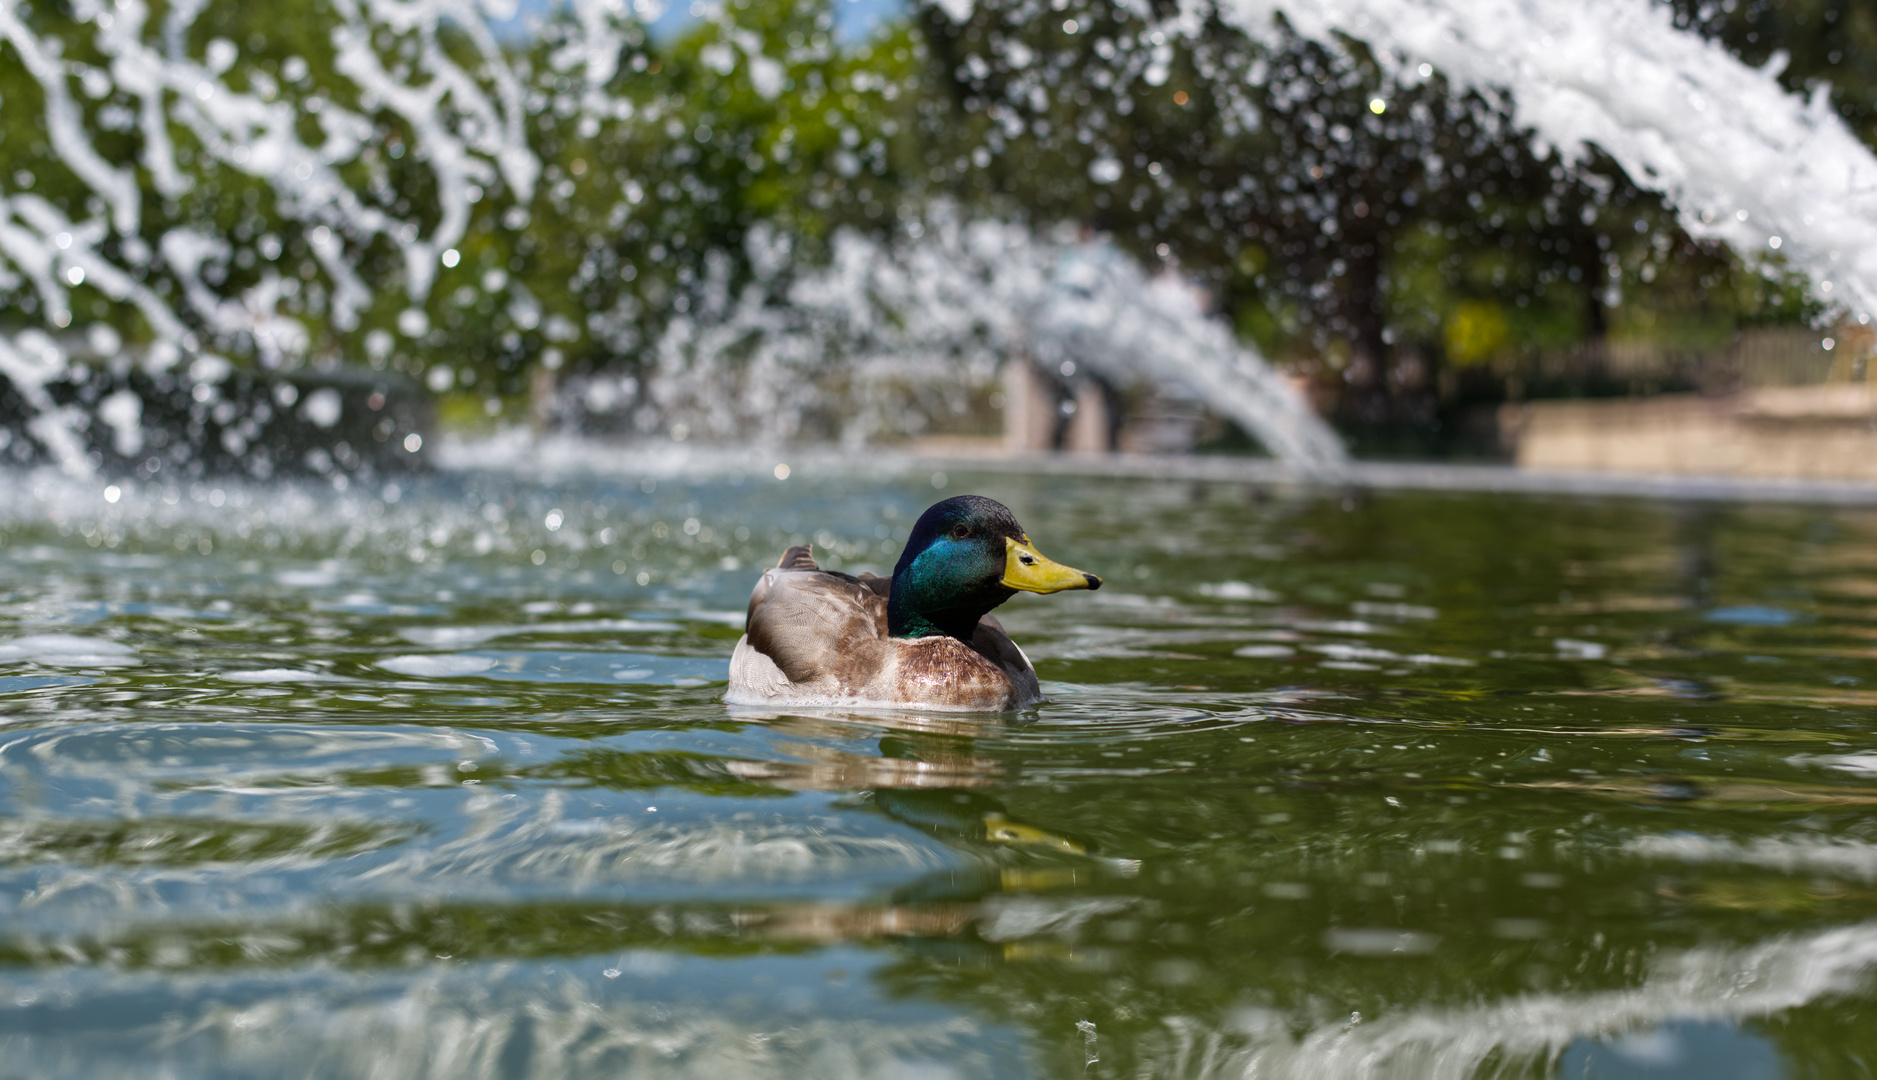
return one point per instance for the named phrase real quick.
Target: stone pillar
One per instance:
(543, 384)
(1091, 427)
(1857, 352)
(1032, 413)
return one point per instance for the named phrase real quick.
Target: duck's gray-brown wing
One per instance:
(814, 624)
(799, 557)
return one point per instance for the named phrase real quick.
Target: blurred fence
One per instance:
(1756, 358)
(1788, 403)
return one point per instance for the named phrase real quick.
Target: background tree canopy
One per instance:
(1399, 243)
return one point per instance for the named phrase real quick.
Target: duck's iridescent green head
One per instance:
(965, 556)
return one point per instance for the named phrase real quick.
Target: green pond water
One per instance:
(435, 782)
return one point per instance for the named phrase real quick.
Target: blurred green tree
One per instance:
(1399, 238)
(1396, 240)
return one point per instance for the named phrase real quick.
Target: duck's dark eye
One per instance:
(959, 532)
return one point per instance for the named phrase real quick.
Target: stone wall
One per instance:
(1811, 432)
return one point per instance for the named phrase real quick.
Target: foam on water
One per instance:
(1451, 1043)
(66, 650)
(432, 666)
(562, 667)
(263, 676)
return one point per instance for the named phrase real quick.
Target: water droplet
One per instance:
(412, 322)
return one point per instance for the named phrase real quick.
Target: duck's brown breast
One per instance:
(945, 673)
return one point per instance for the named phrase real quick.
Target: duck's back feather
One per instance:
(799, 557)
(810, 621)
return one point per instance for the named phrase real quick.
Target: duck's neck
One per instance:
(903, 620)
(920, 605)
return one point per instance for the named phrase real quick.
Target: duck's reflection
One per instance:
(925, 774)
(843, 722)
(922, 751)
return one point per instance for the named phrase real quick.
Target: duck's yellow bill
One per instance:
(1027, 570)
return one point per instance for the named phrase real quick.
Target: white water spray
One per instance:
(984, 290)
(1745, 161)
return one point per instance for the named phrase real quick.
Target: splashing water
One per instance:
(244, 123)
(1745, 161)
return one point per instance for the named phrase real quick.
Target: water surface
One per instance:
(434, 781)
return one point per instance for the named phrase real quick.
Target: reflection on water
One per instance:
(435, 782)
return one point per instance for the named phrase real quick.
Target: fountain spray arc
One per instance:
(975, 292)
(1743, 160)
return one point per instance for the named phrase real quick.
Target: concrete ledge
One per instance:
(1417, 476)
(1813, 433)
(518, 451)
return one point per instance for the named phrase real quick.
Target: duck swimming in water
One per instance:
(923, 639)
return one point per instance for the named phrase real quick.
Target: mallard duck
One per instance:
(923, 639)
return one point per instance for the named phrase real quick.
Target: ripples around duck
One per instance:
(435, 782)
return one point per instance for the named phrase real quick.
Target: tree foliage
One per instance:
(1394, 236)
